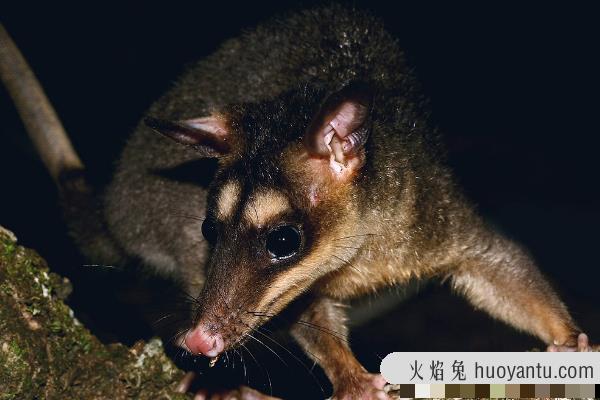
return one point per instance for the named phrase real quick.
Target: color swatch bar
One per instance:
(495, 391)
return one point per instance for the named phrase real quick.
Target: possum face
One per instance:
(283, 198)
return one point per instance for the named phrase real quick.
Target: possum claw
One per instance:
(583, 345)
(367, 387)
(185, 382)
(241, 393)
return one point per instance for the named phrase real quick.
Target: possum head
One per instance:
(285, 194)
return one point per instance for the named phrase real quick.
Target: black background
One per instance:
(513, 88)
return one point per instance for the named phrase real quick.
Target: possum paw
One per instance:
(241, 393)
(583, 344)
(367, 387)
(185, 382)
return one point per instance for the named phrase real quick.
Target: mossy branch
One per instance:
(45, 353)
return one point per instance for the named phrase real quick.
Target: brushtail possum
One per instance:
(329, 185)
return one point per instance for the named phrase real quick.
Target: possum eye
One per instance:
(284, 242)
(209, 231)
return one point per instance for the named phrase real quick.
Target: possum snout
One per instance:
(200, 340)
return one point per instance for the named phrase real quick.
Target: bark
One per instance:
(45, 353)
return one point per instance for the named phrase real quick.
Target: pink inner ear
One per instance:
(209, 135)
(340, 132)
(215, 124)
(210, 132)
(347, 117)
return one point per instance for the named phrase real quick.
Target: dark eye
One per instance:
(209, 230)
(284, 242)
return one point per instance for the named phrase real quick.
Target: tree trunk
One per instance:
(45, 353)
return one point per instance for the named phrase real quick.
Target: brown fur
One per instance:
(392, 213)
(389, 212)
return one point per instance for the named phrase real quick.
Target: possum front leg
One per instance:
(322, 333)
(505, 282)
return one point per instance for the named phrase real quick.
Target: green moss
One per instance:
(9, 249)
(56, 327)
(15, 350)
(46, 353)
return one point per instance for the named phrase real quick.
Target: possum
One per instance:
(330, 184)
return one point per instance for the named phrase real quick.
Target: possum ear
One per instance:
(208, 135)
(341, 128)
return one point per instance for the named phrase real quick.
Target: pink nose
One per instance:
(199, 341)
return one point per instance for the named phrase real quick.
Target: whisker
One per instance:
(348, 247)
(100, 266)
(356, 236)
(308, 324)
(246, 379)
(307, 351)
(186, 296)
(260, 366)
(176, 336)
(348, 263)
(341, 337)
(159, 320)
(186, 215)
(270, 349)
(295, 357)
(226, 358)
(178, 311)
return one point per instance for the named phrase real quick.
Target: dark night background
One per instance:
(512, 89)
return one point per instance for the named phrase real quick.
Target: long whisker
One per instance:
(341, 337)
(186, 215)
(159, 320)
(356, 236)
(320, 328)
(252, 355)
(186, 296)
(181, 353)
(295, 357)
(285, 348)
(246, 379)
(305, 350)
(100, 266)
(226, 358)
(260, 366)
(348, 263)
(176, 336)
(272, 339)
(347, 247)
(270, 349)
